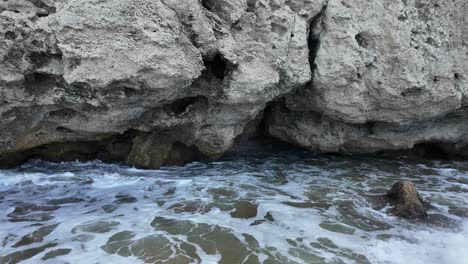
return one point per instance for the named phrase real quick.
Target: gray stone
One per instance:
(406, 200)
(388, 75)
(93, 79)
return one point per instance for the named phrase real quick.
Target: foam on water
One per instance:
(285, 208)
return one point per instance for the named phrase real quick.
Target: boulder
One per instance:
(406, 200)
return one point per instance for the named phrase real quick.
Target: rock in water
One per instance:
(406, 199)
(245, 209)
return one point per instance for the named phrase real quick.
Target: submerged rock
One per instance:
(55, 253)
(406, 200)
(245, 209)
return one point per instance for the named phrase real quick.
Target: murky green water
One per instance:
(290, 207)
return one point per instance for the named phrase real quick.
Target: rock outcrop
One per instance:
(406, 200)
(153, 82)
(388, 75)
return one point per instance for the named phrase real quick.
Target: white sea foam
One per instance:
(308, 210)
(430, 246)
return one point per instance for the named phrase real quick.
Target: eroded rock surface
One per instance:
(153, 82)
(388, 75)
(406, 200)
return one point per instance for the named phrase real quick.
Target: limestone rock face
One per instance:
(192, 72)
(389, 61)
(387, 75)
(406, 200)
(152, 82)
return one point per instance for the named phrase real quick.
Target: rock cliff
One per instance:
(153, 82)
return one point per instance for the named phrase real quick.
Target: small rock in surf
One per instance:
(406, 200)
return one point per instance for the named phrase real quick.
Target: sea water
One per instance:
(288, 207)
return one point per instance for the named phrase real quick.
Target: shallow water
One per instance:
(290, 207)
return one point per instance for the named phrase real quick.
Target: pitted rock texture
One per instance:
(406, 200)
(389, 61)
(388, 75)
(153, 82)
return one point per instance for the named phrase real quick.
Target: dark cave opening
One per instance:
(182, 154)
(435, 150)
(216, 66)
(439, 151)
(256, 137)
(114, 148)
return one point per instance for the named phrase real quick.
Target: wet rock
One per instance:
(441, 221)
(36, 236)
(55, 253)
(257, 222)
(39, 217)
(109, 208)
(337, 228)
(65, 200)
(96, 227)
(148, 153)
(21, 255)
(83, 238)
(269, 217)
(461, 212)
(245, 209)
(125, 198)
(118, 243)
(326, 242)
(406, 200)
(25, 208)
(308, 204)
(24, 212)
(150, 249)
(212, 239)
(351, 216)
(223, 193)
